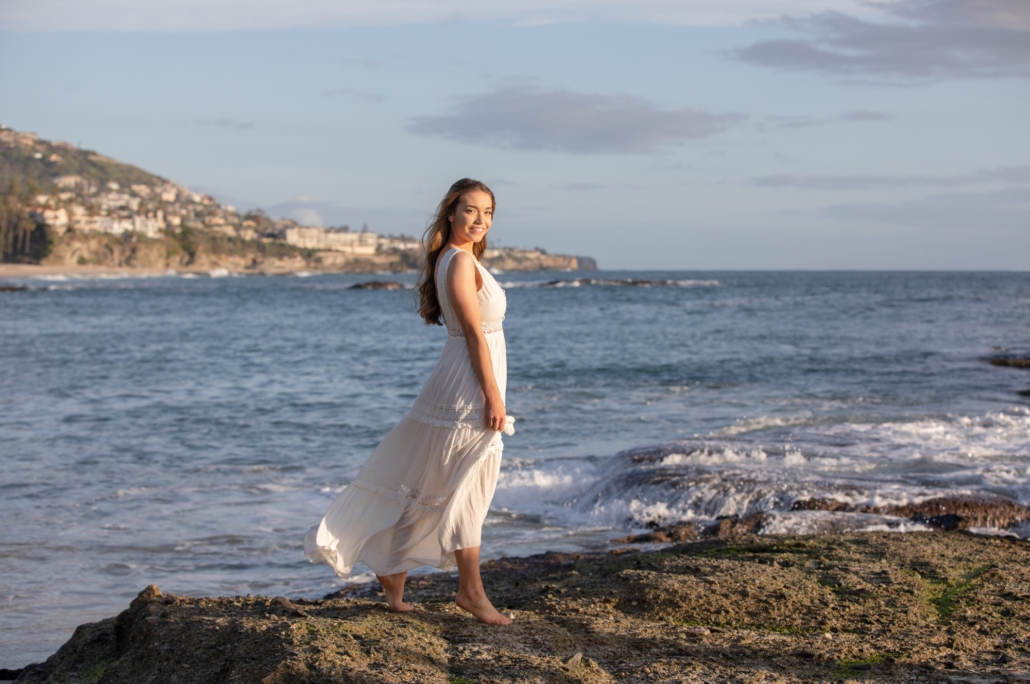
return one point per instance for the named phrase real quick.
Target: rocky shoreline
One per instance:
(886, 607)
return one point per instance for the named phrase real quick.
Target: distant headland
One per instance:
(69, 209)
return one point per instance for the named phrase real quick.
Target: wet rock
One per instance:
(734, 526)
(821, 505)
(1011, 361)
(946, 513)
(11, 288)
(962, 512)
(677, 533)
(377, 285)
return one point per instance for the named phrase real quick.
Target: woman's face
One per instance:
(472, 217)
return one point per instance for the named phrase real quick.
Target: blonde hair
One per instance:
(433, 241)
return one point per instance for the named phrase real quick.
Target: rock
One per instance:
(820, 505)
(1011, 361)
(872, 594)
(734, 526)
(680, 532)
(952, 513)
(946, 513)
(378, 285)
(11, 288)
(730, 527)
(9, 675)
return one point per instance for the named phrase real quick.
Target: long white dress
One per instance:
(426, 489)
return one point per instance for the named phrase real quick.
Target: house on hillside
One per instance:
(322, 240)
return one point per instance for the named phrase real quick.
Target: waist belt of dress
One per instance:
(487, 328)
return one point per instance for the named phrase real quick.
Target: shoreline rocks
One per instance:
(378, 285)
(946, 513)
(936, 606)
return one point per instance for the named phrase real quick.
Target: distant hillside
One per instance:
(60, 205)
(24, 157)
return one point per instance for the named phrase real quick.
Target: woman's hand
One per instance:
(494, 413)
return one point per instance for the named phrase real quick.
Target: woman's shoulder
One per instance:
(458, 255)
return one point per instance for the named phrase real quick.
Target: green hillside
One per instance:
(24, 157)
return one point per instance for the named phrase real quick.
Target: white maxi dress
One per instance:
(426, 489)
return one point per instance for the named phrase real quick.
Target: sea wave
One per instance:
(767, 465)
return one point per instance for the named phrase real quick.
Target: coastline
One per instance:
(926, 606)
(18, 271)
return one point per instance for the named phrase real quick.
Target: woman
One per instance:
(423, 494)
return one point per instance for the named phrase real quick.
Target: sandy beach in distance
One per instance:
(15, 271)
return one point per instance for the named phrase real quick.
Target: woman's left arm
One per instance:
(464, 296)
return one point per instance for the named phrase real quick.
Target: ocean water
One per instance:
(187, 431)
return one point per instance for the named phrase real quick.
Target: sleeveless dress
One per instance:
(426, 489)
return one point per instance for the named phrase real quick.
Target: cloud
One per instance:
(229, 15)
(233, 124)
(563, 121)
(356, 94)
(1010, 174)
(988, 212)
(808, 121)
(914, 40)
(306, 216)
(864, 115)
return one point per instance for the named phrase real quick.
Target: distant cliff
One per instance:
(512, 259)
(205, 251)
(64, 206)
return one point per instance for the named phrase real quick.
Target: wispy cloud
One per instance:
(1009, 174)
(864, 115)
(1005, 210)
(564, 121)
(860, 116)
(222, 15)
(914, 40)
(225, 122)
(356, 94)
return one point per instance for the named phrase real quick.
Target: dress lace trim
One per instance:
(487, 328)
(447, 416)
(378, 482)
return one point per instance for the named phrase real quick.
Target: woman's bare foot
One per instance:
(393, 587)
(481, 607)
(471, 595)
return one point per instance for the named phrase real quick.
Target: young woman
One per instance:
(423, 494)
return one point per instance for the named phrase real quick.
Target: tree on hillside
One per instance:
(22, 237)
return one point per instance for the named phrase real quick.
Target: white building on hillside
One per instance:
(322, 240)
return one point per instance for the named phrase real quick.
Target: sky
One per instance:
(653, 134)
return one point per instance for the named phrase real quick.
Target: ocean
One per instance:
(186, 431)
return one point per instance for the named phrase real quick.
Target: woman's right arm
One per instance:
(464, 296)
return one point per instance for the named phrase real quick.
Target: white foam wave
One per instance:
(766, 464)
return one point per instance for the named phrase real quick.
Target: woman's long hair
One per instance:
(436, 236)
